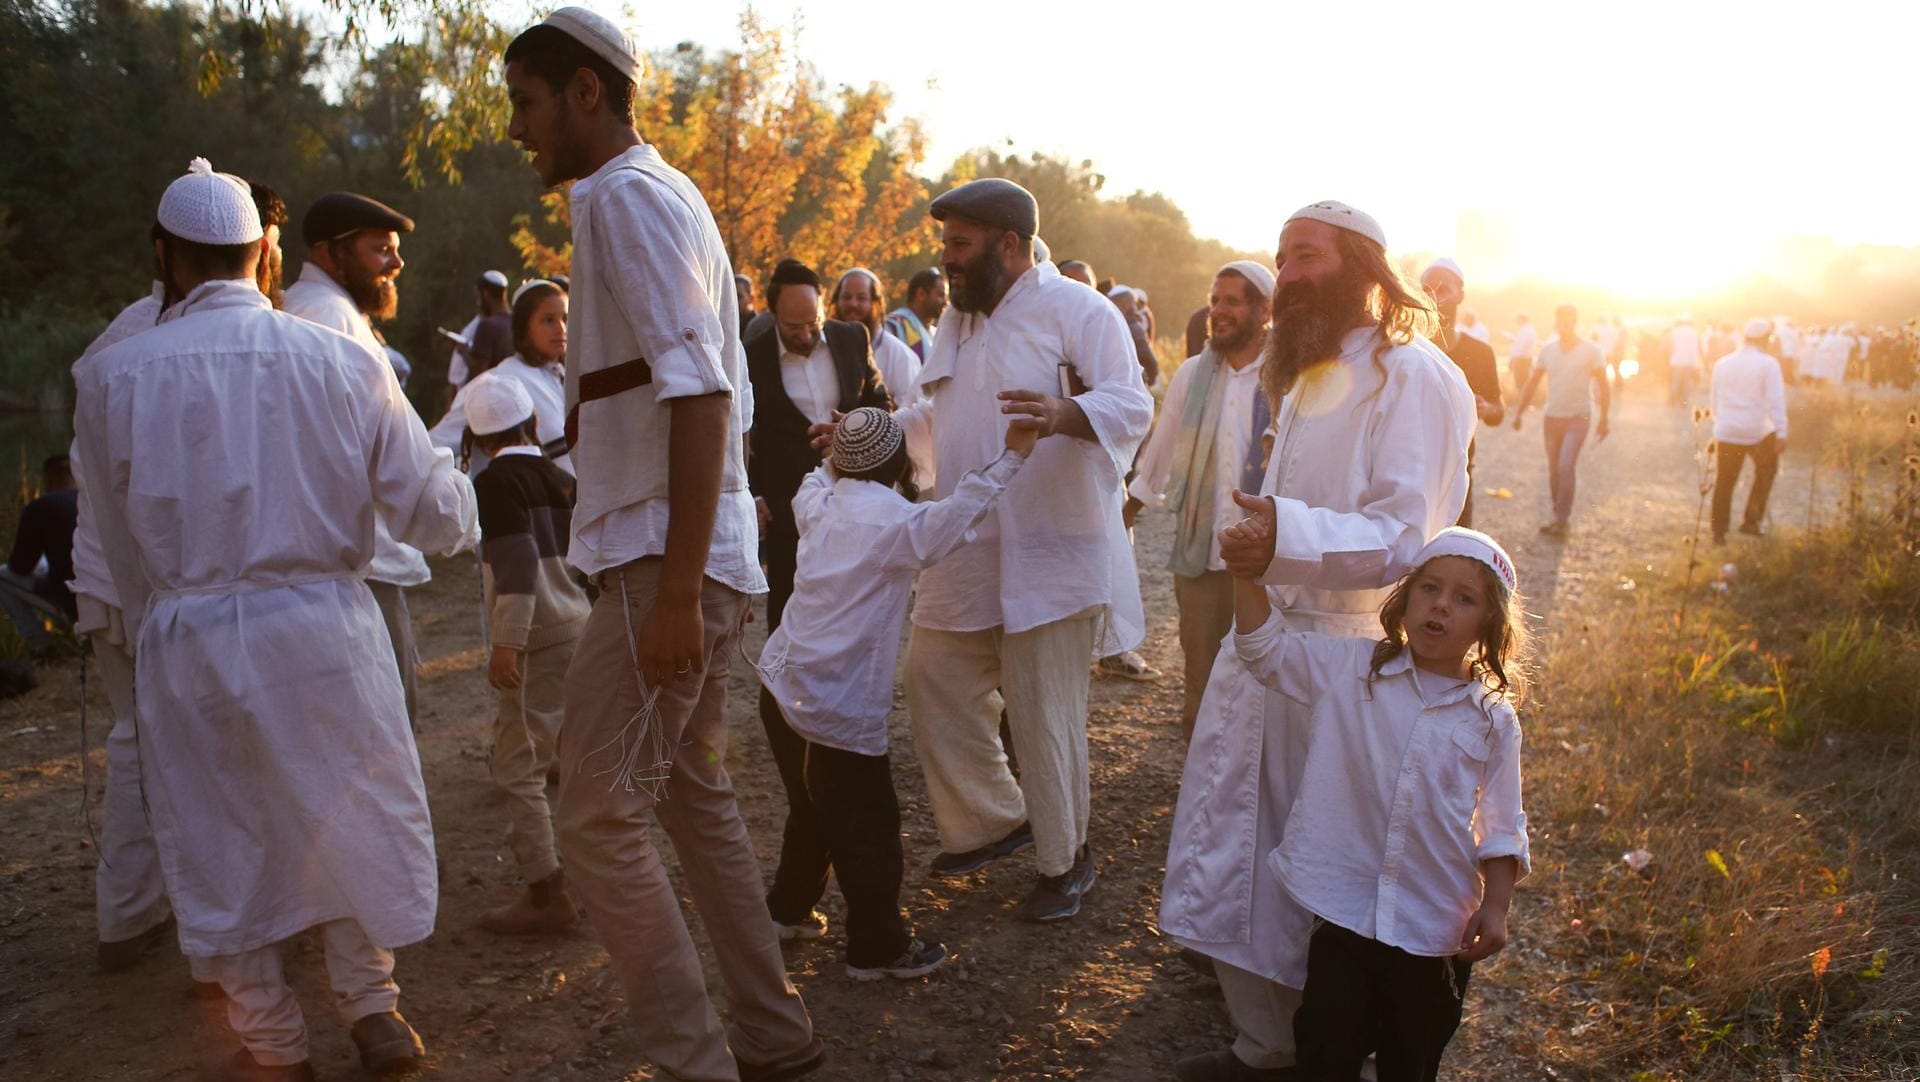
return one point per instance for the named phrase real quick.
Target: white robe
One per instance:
(238, 457)
(1365, 468)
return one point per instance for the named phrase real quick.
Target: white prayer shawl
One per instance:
(1054, 545)
(1366, 467)
(90, 577)
(317, 298)
(239, 457)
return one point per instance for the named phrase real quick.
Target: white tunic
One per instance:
(830, 664)
(899, 368)
(90, 577)
(545, 384)
(238, 457)
(317, 298)
(1366, 467)
(1054, 545)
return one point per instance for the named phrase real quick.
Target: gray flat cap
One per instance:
(992, 201)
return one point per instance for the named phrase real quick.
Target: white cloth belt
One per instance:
(246, 586)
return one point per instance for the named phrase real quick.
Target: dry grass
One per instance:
(1766, 753)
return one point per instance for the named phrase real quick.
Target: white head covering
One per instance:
(495, 279)
(1341, 216)
(1118, 292)
(209, 208)
(1759, 329)
(529, 284)
(1447, 264)
(495, 404)
(866, 438)
(600, 34)
(1041, 253)
(1474, 545)
(1259, 276)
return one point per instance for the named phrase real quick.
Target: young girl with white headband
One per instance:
(830, 664)
(1406, 835)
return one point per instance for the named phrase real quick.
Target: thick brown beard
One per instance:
(1304, 335)
(379, 300)
(983, 283)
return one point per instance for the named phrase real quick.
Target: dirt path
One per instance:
(1101, 998)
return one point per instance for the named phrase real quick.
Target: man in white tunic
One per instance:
(129, 895)
(353, 258)
(666, 526)
(1192, 462)
(1369, 460)
(1048, 584)
(275, 758)
(858, 298)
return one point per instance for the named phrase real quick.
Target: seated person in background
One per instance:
(45, 532)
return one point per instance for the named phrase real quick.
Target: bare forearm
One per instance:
(696, 462)
(1499, 874)
(1073, 422)
(1250, 606)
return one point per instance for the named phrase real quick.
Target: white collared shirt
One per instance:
(899, 368)
(1749, 397)
(1054, 545)
(811, 381)
(1232, 437)
(1401, 799)
(830, 663)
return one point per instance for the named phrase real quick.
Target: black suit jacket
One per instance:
(779, 455)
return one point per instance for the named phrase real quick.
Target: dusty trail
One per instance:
(1100, 998)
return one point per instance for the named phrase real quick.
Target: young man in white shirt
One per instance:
(1191, 463)
(1749, 397)
(1683, 357)
(665, 524)
(1575, 375)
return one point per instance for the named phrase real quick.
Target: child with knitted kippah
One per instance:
(830, 664)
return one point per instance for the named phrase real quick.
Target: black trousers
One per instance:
(1363, 996)
(859, 818)
(1766, 463)
(801, 877)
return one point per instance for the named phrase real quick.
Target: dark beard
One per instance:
(379, 300)
(983, 281)
(1309, 320)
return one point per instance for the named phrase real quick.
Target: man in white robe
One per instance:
(353, 259)
(236, 459)
(1369, 461)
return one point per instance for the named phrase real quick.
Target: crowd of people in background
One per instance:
(638, 450)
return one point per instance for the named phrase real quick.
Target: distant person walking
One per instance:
(1575, 375)
(1749, 395)
(1683, 360)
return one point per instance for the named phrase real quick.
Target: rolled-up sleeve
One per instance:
(1116, 403)
(1499, 822)
(654, 246)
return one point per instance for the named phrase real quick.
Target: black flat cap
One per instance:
(338, 213)
(992, 201)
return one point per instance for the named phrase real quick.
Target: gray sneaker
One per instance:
(919, 959)
(1057, 897)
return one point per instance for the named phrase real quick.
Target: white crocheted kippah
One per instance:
(210, 208)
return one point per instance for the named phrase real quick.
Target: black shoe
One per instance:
(388, 1045)
(1057, 897)
(1221, 1065)
(1556, 528)
(805, 1061)
(954, 865)
(120, 955)
(919, 959)
(240, 1067)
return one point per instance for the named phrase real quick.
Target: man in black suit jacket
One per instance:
(807, 369)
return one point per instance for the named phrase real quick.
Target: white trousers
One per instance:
(1262, 1014)
(952, 677)
(129, 896)
(262, 1009)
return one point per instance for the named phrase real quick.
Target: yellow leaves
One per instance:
(1719, 864)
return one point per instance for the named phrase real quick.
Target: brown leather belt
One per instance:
(605, 383)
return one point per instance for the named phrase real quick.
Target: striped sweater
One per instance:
(526, 513)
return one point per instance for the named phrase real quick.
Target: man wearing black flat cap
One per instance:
(353, 257)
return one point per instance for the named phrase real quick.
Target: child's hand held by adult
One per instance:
(1022, 434)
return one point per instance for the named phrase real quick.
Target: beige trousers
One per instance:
(262, 1009)
(616, 872)
(129, 896)
(524, 732)
(1043, 674)
(1262, 1014)
(406, 652)
(1206, 615)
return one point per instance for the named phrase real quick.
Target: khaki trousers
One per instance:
(262, 1009)
(524, 733)
(129, 896)
(1043, 674)
(1206, 615)
(406, 652)
(1262, 1014)
(616, 872)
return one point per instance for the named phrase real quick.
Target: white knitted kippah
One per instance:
(1257, 276)
(495, 404)
(209, 208)
(866, 438)
(1341, 216)
(1474, 545)
(600, 34)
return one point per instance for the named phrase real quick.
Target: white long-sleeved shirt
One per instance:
(90, 577)
(1684, 347)
(1233, 436)
(812, 382)
(830, 663)
(544, 383)
(317, 298)
(1401, 799)
(899, 368)
(1749, 397)
(1054, 546)
(652, 282)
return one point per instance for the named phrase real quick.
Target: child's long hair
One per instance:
(896, 472)
(1498, 661)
